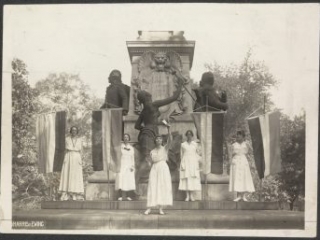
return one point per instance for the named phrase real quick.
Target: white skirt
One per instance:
(125, 180)
(240, 175)
(71, 174)
(159, 186)
(190, 184)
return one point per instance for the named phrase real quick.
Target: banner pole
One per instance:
(108, 181)
(264, 112)
(206, 179)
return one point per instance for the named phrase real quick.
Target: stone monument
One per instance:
(155, 57)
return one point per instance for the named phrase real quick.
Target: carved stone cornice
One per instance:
(137, 48)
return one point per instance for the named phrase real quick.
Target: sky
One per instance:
(90, 40)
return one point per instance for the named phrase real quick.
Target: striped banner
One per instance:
(265, 136)
(50, 134)
(106, 139)
(210, 132)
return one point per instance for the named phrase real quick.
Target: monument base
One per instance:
(213, 192)
(101, 186)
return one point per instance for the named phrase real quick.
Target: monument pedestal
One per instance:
(216, 189)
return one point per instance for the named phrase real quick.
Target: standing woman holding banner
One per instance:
(125, 178)
(71, 183)
(240, 174)
(159, 186)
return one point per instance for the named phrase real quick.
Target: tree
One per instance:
(292, 177)
(247, 87)
(27, 183)
(67, 92)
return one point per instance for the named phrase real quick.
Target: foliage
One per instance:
(27, 183)
(56, 92)
(248, 90)
(292, 177)
(67, 92)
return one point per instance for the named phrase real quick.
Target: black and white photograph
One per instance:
(190, 119)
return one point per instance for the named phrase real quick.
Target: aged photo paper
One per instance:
(160, 119)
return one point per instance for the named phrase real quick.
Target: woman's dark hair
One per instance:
(242, 133)
(75, 128)
(126, 134)
(158, 136)
(189, 131)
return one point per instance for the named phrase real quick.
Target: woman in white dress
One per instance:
(190, 167)
(240, 175)
(71, 183)
(159, 186)
(125, 178)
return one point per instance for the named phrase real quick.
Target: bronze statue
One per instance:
(156, 77)
(208, 99)
(117, 94)
(147, 124)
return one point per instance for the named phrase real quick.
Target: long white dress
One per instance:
(189, 167)
(159, 186)
(125, 178)
(71, 174)
(240, 175)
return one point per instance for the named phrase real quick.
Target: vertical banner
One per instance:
(60, 140)
(210, 132)
(106, 139)
(96, 125)
(265, 135)
(111, 138)
(45, 131)
(257, 145)
(275, 152)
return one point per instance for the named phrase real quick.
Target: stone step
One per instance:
(177, 205)
(75, 219)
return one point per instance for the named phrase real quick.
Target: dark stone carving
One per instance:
(117, 93)
(208, 99)
(147, 124)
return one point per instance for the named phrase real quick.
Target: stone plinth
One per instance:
(177, 205)
(216, 189)
(163, 41)
(213, 192)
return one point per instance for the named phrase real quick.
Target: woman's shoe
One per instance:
(147, 212)
(74, 197)
(245, 199)
(80, 198)
(161, 212)
(237, 199)
(64, 197)
(187, 199)
(129, 199)
(120, 199)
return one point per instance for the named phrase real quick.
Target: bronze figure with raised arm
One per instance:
(147, 124)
